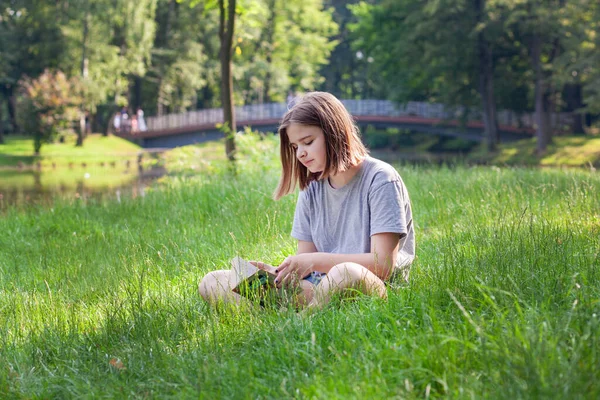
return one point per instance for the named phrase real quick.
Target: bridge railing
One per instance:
(381, 108)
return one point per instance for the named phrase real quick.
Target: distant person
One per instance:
(125, 123)
(117, 122)
(134, 124)
(353, 219)
(140, 120)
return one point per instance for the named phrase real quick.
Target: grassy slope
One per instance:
(96, 149)
(102, 162)
(570, 151)
(576, 151)
(99, 300)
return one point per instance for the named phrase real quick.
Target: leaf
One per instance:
(117, 364)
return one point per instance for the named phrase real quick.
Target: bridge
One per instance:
(173, 130)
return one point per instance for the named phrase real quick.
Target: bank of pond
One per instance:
(111, 167)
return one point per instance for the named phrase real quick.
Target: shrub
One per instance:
(49, 105)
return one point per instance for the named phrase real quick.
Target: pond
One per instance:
(22, 187)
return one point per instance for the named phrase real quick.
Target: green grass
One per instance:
(568, 151)
(96, 149)
(91, 176)
(98, 299)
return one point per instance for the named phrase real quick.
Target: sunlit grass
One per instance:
(91, 177)
(99, 299)
(96, 149)
(569, 151)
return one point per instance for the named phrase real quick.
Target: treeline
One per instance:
(161, 55)
(521, 55)
(92, 57)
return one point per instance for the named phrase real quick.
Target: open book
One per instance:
(248, 280)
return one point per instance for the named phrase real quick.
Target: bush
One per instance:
(390, 138)
(49, 105)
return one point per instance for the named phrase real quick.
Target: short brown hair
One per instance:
(344, 148)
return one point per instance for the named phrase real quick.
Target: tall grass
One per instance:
(99, 299)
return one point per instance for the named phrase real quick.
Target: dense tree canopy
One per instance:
(520, 55)
(162, 55)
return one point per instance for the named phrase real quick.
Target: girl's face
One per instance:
(309, 144)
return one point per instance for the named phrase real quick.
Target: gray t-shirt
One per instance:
(343, 220)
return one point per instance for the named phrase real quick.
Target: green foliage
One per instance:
(577, 63)
(115, 38)
(180, 65)
(390, 138)
(482, 54)
(50, 106)
(281, 45)
(277, 46)
(409, 41)
(30, 39)
(349, 73)
(418, 145)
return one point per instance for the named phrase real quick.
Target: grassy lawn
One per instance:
(94, 177)
(569, 151)
(99, 150)
(95, 150)
(99, 299)
(102, 164)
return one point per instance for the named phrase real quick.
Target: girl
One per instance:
(353, 218)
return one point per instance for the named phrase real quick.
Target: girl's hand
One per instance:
(293, 269)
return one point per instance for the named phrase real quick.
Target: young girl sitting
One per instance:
(353, 219)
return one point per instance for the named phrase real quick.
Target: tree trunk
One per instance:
(137, 93)
(168, 25)
(486, 83)
(572, 93)
(1, 124)
(12, 114)
(270, 32)
(543, 133)
(84, 74)
(111, 125)
(161, 108)
(225, 56)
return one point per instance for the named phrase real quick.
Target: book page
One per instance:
(247, 278)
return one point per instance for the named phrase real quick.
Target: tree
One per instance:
(278, 45)
(590, 59)
(438, 51)
(283, 46)
(109, 46)
(180, 66)
(50, 105)
(537, 27)
(226, 31)
(349, 74)
(486, 77)
(30, 41)
(576, 67)
(1, 126)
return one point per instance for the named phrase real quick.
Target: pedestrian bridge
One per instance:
(173, 130)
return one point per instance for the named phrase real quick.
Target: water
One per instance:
(21, 188)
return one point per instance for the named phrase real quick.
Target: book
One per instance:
(250, 281)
